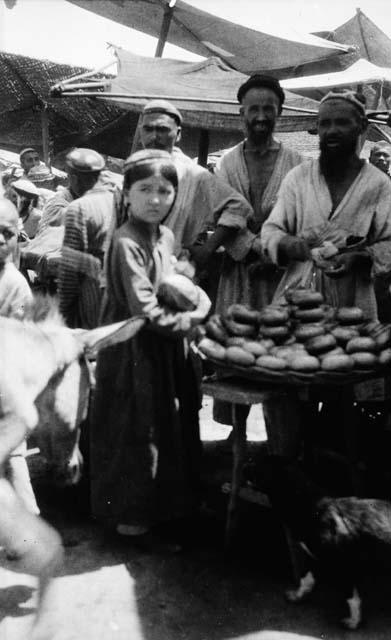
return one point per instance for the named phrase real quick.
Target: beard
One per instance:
(333, 161)
(259, 136)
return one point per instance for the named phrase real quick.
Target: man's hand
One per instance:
(201, 254)
(292, 248)
(347, 262)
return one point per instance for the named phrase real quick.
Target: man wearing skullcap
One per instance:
(202, 202)
(255, 168)
(342, 200)
(87, 220)
(28, 158)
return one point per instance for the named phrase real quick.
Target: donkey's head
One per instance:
(62, 401)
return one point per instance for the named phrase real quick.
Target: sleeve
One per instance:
(53, 212)
(128, 261)
(379, 237)
(230, 208)
(69, 277)
(282, 220)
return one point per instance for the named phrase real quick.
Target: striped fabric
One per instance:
(87, 221)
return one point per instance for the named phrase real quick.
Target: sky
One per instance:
(59, 31)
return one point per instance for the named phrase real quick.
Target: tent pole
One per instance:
(45, 134)
(167, 16)
(203, 147)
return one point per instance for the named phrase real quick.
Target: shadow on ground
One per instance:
(115, 591)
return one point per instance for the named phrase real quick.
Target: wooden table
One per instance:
(240, 393)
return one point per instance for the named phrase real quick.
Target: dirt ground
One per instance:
(112, 591)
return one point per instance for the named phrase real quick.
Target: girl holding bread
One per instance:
(145, 443)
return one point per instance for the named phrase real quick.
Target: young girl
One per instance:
(145, 443)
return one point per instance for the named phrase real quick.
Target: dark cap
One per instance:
(85, 161)
(162, 106)
(262, 81)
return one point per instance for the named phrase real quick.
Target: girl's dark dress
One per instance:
(145, 443)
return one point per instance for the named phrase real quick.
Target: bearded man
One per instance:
(255, 168)
(329, 199)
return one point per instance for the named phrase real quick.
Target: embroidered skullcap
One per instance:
(27, 150)
(85, 160)
(354, 98)
(40, 173)
(147, 156)
(261, 81)
(148, 162)
(163, 106)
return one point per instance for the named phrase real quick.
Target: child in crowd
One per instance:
(15, 298)
(145, 443)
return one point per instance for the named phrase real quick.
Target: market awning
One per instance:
(274, 49)
(369, 41)
(361, 72)
(205, 92)
(25, 100)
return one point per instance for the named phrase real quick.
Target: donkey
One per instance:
(44, 386)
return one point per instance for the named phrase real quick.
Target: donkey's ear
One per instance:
(102, 337)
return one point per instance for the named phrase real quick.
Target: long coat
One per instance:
(145, 443)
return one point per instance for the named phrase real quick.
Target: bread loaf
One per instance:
(304, 298)
(321, 344)
(307, 331)
(362, 343)
(304, 363)
(178, 293)
(256, 348)
(274, 316)
(238, 355)
(276, 333)
(243, 314)
(271, 362)
(237, 328)
(364, 360)
(350, 315)
(337, 362)
(309, 315)
(211, 349)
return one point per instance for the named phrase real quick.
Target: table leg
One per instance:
(239, 418)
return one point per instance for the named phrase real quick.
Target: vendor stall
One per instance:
(302, 344)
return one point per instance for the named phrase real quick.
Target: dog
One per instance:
(339, 533)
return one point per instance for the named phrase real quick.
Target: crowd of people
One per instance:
(265, 209)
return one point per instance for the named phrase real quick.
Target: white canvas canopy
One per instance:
(275, 49)
(361, 72)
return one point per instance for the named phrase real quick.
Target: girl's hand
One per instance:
(185, 268)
